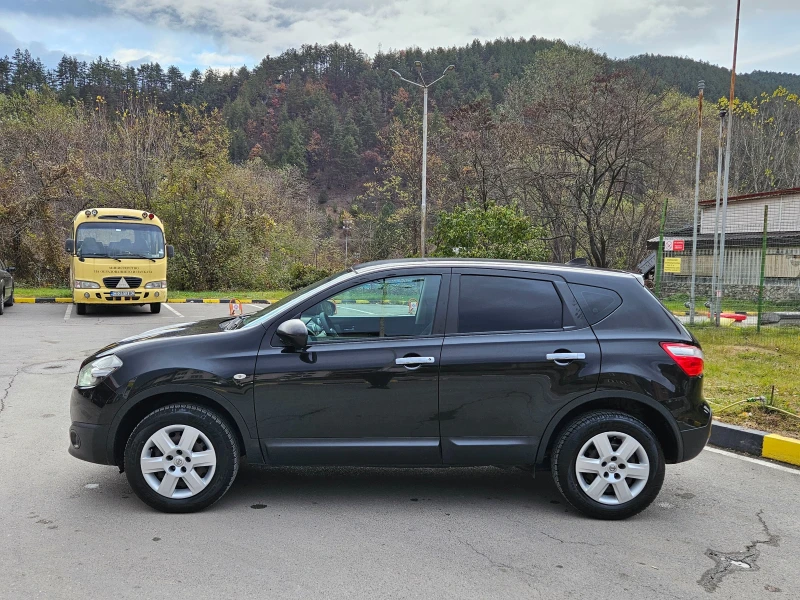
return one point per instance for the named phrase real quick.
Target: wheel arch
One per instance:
(647, 410)
(126, 421)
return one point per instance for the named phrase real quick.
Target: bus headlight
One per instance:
(97, 370)
(86, 285)
(155, 285)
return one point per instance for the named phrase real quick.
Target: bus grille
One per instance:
(112, 282)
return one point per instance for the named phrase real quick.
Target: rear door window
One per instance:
(490, 303)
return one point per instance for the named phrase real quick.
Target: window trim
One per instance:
(439, 317)
(569, 320)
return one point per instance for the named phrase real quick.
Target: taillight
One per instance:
(689, 358)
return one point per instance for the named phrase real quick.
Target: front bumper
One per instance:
(88, 442)
(103, 296)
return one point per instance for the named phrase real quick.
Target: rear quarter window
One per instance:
(595, 302)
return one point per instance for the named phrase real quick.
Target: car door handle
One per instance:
(565, 356)
(415, 360)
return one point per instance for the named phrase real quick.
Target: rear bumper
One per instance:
(103, 296)
(89, 442)
(694, 440)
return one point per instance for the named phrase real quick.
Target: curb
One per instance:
(758, 443)
(176, 301)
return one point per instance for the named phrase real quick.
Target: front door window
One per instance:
(393, 307)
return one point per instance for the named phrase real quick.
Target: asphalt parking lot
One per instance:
(723, 526)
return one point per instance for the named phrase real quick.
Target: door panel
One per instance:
(346, 400)
(498, 390)
(350, 403)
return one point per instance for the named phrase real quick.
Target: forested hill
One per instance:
(684, 73)
(322, 108)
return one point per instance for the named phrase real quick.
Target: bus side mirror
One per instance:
(69, 246)
(170, 251)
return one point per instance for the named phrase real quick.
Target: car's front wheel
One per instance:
(155, 307)
(10, 301)
(608, 464)
(181, 458)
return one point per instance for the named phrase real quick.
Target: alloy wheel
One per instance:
(612, 468)
(178, 461)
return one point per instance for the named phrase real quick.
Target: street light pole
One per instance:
(424, 86)
(721, 280)
(700, 86)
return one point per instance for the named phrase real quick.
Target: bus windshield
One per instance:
(119, 240)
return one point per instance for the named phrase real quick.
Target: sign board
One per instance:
(672, 265)
(672, 245)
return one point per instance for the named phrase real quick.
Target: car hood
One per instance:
(170, 331)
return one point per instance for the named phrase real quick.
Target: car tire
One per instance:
(10, 301)
(608, 464)
(177, 475)
(155, 308)
(2, 300)
(80, 309)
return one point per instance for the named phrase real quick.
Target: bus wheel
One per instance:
(155, 308)
(80, 309)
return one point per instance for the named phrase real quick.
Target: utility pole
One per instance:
(721, 282)
(713, 303)
(346, 225)
(700, 86)
(424, 86)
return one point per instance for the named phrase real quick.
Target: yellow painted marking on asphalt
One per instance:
(784, 449)
(25, 300)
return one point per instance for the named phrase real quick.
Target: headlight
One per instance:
(86, 285)
(155, 284)
(91, 374)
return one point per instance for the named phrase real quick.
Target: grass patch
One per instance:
(678, 304)
(271, 295)
(741, 364)
(31, 292)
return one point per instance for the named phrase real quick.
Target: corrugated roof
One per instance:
(758, 196)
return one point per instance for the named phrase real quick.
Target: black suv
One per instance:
(412, 363)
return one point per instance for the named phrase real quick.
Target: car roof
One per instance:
(567, 271)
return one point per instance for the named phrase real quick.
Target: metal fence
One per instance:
(742, 271)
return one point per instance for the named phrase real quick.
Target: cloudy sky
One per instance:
(230, 33)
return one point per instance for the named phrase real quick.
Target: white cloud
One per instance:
(130, 55)
(228, 33)
(220, 62)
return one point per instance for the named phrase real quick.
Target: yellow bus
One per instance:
(118, 256)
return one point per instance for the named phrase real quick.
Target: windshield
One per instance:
(119, 240)
(260, 316)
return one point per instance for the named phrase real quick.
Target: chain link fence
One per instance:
(750, 278)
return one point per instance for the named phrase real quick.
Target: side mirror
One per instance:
(293, 333)
(69, 246)
(11, 269)
(170, 251)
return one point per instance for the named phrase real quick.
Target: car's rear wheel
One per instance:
(155, 308)
(10, 301)
(608, 464)
(181, 458)
(80, 309)
(2, 302)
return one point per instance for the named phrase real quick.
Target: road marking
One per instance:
(168, 307)
(763, 463)
(69, 311)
